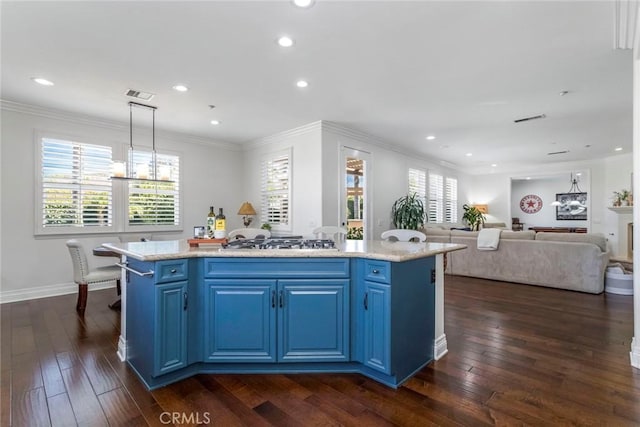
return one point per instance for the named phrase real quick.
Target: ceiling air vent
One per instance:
(526, 119)
(145, 96)
(557, 152)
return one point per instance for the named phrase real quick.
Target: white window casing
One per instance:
(418, 184)
(76, 194)
(275, 190)
(443, 199)
(154, 204)
(74, 191)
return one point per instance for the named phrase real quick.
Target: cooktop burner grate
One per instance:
(281, 243)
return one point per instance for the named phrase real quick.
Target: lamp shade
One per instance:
(482, 208)
(246, 209)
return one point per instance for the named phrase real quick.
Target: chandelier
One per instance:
(574, 201)
(141, 170)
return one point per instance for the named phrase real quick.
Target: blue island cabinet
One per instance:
(276, 310)
(157, 306)
(394, 307)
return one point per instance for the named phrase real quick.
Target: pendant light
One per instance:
(572, 203)
(141, 171)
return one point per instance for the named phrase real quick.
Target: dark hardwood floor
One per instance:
(518, 355)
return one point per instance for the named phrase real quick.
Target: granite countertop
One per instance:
(371, 249)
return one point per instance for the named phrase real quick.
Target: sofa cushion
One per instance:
(463, 233)
(519, 235)
(494, 225)
(597, 239)
(429, 231)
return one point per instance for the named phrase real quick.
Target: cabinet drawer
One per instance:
(171, 270)
(278, 268)
(377, 271)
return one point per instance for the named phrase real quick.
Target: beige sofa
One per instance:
(571, 261)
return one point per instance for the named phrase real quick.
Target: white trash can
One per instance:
(617, 282)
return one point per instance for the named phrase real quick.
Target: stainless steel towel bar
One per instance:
(139, 273)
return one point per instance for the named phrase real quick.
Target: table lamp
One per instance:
(246, 210)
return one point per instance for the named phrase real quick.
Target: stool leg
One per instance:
(82, 298)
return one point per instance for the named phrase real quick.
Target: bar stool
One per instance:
(84, 277)
(403, 235)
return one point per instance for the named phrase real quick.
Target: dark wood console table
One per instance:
(559, 229)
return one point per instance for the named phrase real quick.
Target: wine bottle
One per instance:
(221, 226)
(211, 222)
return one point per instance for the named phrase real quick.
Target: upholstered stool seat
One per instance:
(84, 277)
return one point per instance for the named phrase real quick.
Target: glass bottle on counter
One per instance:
(221, 226)
(211, 222)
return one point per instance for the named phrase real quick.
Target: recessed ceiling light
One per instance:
(181, 88)
(431, 137)
(302, 83)
(469, 154)
(41, 81)
(285, 41)
(618, 148)
(215, 122)
(528, 178)
(493, 165)
(303, 3)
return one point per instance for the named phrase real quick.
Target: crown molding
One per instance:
(278, 137)
(367, 138)
(82, 119)
(625, 24)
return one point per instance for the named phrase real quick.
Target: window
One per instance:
(418, 184)
(443, 199)
(450, 200)
(155, 203)
(276, 190)
(75, 193)
(75, 187)
(436, 198)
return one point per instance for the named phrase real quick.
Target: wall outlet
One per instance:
(379, 223)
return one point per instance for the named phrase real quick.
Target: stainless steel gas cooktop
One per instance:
(281, 243)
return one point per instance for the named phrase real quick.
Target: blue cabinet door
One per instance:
(377, 326)
(313, 320)
(240, 320)
(170, 340)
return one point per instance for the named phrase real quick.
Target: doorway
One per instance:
(354, 199)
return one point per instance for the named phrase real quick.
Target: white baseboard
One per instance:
(440, 347)
(46, 291)
(122, 349)
(634, 355)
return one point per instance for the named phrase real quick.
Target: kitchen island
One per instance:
(369, 307)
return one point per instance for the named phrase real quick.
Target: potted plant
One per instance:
(622, 198)
(266, 226)
(408, 212)
(472, 217)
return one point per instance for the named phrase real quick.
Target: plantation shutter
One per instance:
(418, 184)
(436, 198)
(275, 190)
(155, 202)
(76, 188)
(451, 200)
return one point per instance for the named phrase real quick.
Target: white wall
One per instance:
(38, 266)
(306, 190)
(389, 170)
(546, 189)
(606, 175)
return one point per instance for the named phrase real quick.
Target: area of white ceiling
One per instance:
(462, 71)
